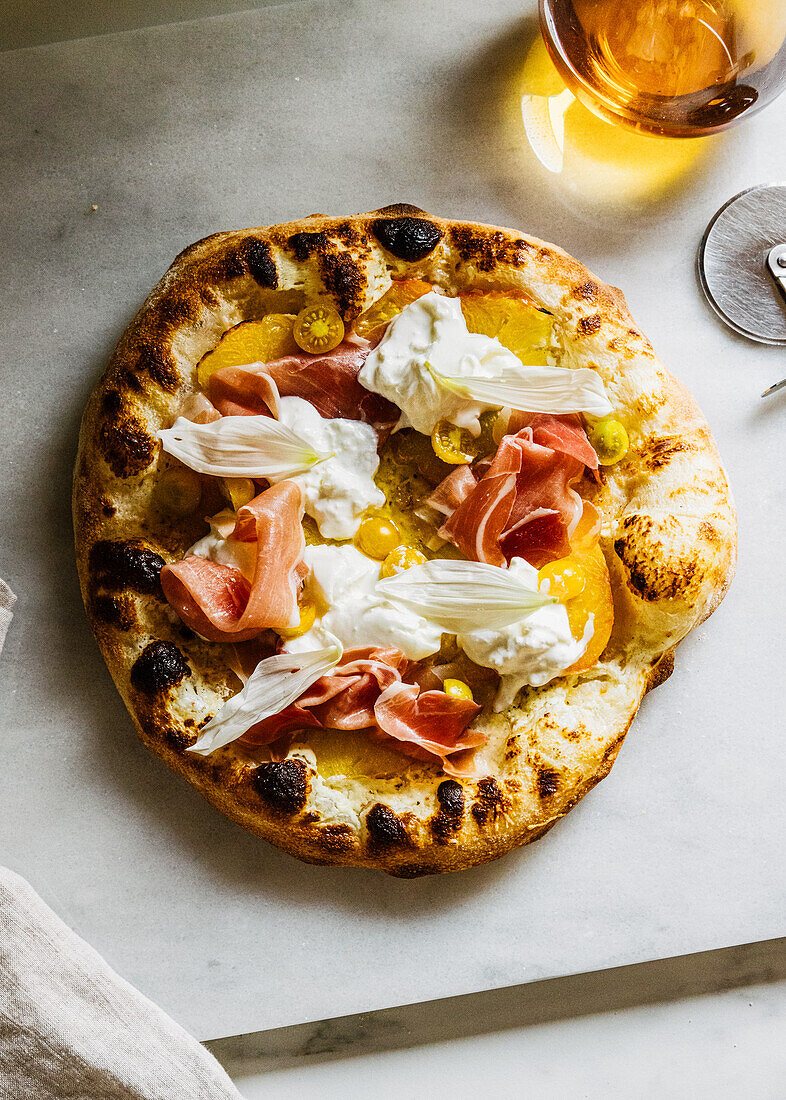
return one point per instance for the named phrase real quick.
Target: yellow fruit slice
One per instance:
(308, 614)
(352, 753)
(318, 329)
(250, 342)
(238, 491)
(515, 322)
(402, 293)
(593, 598)
(566, 578)
(610, 440)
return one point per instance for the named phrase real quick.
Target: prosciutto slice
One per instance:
(343, 699)
(365, 692)
(452, 490)
(329, 382)
(217, 601)
(429, 725)
(561, 433)
(524, 504)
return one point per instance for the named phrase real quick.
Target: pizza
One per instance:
(385, 524)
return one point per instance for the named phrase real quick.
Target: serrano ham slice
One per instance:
(216, 600)
(452, 490)
(561, 433)
(524, 504)
(344, 700)
(429, 725)
(365, 692)
(329, 382)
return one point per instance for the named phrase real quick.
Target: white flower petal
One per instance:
(534, 389)
(465, 595)
(273, 685)
(240, 446)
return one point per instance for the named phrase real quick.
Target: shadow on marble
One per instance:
(475, 1014)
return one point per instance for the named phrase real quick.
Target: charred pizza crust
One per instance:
(668, 535)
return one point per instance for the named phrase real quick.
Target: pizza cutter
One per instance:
(742, 265)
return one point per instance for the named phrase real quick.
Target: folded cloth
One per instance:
(7, 601)
(72, 1029)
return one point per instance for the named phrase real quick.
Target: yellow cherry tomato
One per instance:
(610, 440)
(377, 536)
(318, 329)
(487, 441)
(403, 557)
(454, 445)
(499, 428)
(566, 579)
(179, 491)
(239, 491)
(457, 689)
(260, 341)
(308, 614)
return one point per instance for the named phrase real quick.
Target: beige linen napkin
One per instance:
(7, 601)
(72, 1029)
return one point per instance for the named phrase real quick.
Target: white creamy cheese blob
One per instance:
(226, 551)
(357, 615)
(338, 490)
(530, 652)
(432, 330)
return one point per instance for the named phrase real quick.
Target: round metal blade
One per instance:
(733, 263)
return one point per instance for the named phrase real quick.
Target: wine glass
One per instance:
(682, 68)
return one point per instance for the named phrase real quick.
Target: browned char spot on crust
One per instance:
(282, 784)
(118, 611)
(487, 250)
(258, 258)
(343, 276)
(345, 280)
(148, 354)
(588, 326)
(305, 245)
(547, 780)
(178, 739)
(119, 564)
(490, 801)
(662, 669)
(659, 452)
(385, 829)
(450, 796)
(159, 667)
(407, 238)
(651, 574)
(125, 441)
(587, 291)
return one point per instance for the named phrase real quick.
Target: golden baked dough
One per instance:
(668, 536)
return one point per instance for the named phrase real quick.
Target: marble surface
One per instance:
(174, 132)
(697, 1027)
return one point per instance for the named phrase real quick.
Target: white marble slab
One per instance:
(175, 132)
